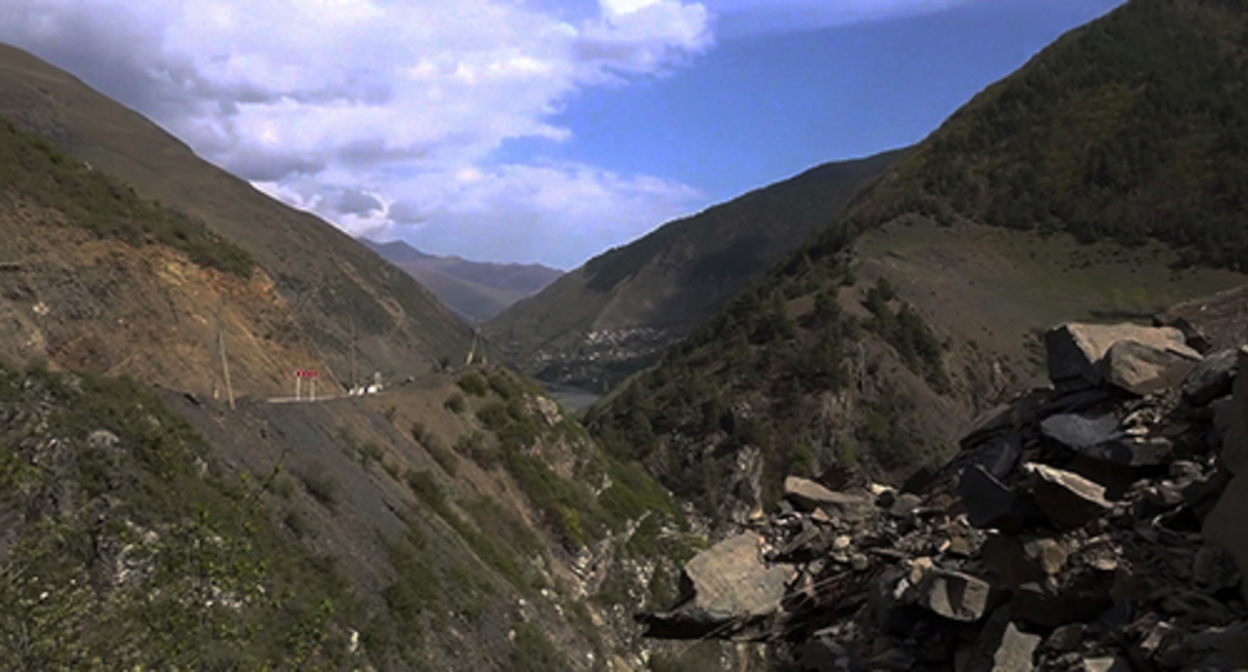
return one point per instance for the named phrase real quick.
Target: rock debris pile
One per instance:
(1093, 525)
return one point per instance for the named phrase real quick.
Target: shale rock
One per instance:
(807, 495)
(1145, 368)
(1067, 499)
(1076, 353)
(1212, 378)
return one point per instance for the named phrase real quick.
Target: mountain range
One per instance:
(475, 290)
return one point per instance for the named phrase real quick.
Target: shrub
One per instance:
(473, 385)
(320, 485)
(454, 404)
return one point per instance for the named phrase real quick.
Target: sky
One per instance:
(535, 130)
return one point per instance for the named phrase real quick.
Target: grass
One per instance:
(33, 167)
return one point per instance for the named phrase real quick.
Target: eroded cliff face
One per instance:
(71, 300)
(1090, 524)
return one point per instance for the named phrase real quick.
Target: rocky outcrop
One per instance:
(1093, 525)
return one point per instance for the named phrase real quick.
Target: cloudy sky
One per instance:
(535, 130)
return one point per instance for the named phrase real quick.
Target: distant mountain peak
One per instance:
(476, 290)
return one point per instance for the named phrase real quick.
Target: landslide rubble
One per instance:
(1089, 525)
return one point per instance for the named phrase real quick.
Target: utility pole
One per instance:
(225, 368)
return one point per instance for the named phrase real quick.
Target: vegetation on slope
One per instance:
(33, 167)
(1132, 127)
(126, 546)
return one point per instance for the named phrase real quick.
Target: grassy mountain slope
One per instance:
(875, 344)
(333, 285)
(476, 290)
(641, 296)
(96, 278)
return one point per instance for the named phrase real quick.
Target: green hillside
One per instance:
(639, 297)
(1100, 181)
(1133, 127)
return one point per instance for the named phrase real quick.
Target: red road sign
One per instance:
(306, 373)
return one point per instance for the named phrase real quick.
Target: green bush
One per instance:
(472, 384)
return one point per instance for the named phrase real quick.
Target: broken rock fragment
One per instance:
(1067, 499)
(954, 595)
(1212, 378)
(807, 495)
(1076, 352)
(1144, 368)
(989, 503)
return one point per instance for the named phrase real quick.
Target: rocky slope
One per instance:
(477, 291)
(614, 315)
(342, 297)
(872, 347)
(1090, 524)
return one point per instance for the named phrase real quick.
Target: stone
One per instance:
(1012, 650)
(1224, 526)
(1049, 555)
(102, 439)
(1106, 664)
(1067, 499)
(728, 582)
(954, 595)
(1213, 377)
(821, 653)
(1214, 569)
(1145, 368)
(1007, 563)
(897, 660)
(1076, 351)
(1066, 638)
(905, 504)
(1100, 437)
(988, 502)
(1047, 607)
(1081, 432)
(1234, 453)
(807, 495)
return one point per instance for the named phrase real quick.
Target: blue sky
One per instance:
(535, 130)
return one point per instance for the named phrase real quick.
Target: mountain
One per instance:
(359, 313)
(476, 290)
(601, 322)
(455, 520)
(1093, 183)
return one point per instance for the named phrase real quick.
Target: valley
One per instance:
(964, 406)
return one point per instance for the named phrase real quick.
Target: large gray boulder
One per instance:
(728, 586)
(1155, 355)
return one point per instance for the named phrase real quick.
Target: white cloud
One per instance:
(746, 17)
(343, 106)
